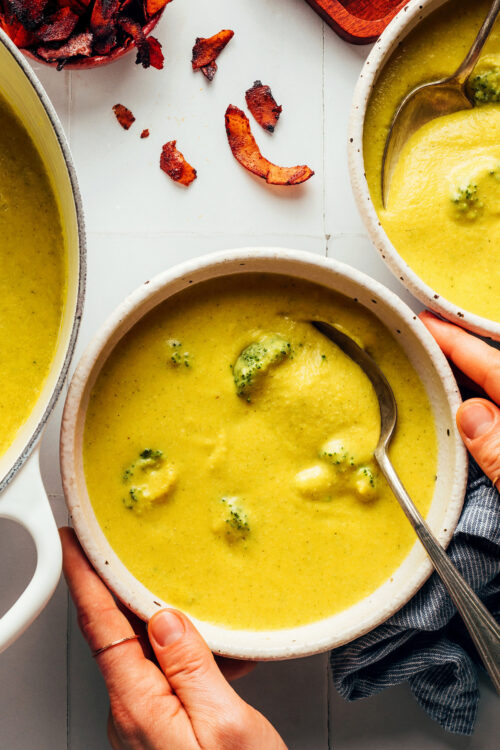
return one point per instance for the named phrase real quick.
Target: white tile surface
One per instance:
(129, 191)
(139, 223)
(33, 686)
(393, 720)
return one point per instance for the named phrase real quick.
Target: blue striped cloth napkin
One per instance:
(425, 643)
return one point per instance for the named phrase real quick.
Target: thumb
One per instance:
(478, 421)
(189, 666)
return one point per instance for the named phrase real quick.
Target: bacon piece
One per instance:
(145, 133)
(77, 6)
(156, 58)
(135, 30)
(246, 151)
(262, 105)
(77, 45)
(123, 115)
(103, 25)
(58, 27)
(21, 37)
(29, 12)
(206, 51)
(152, 7)
(174, 164)
(209, 71)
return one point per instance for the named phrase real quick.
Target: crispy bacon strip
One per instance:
(123, 115)
(246, 151)
(79, 44)
(59, 26)
(210, 70)
(156, 58)
(77, 6)
(262, 105)
(151, 7)
(135, 30)
(174, 164)
(103, 25)
(16, 31)
(206, 51)
(29, 12)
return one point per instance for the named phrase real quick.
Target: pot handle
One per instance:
(25, 501)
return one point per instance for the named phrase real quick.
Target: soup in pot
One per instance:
(32, 274)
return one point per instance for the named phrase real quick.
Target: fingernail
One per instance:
(166, 628)
(475, 420)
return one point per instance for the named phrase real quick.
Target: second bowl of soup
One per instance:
(440, 229)
(217, 452)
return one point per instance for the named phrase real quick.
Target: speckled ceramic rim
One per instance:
(80, 294)
(424, 355)
(399, 27)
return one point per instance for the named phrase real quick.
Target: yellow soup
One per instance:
(228, 453)
(443, 210)
(32, 274)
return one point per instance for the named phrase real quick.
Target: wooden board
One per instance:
(357, 21)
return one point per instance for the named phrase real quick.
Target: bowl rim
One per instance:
(412, 13)
(259, 645)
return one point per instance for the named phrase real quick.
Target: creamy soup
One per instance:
(443, 209)
(228, 453)
(32, 274)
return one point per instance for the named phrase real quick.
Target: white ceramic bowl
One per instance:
(398, 29)
(22, 494)
(426, 358)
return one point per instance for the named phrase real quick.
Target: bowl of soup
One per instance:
(217, 452)
(440, 229)
(42, 261)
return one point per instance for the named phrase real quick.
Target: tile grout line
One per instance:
(195, 235)
(329, 722)
(68, 649)
(70, 104)
(68, 659)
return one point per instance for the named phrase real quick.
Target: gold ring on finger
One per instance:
(114, 643)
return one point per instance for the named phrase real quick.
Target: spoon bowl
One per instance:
(482, 627)
(431, 100)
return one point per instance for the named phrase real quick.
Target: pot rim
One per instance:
(400, 26)
(80, 293)
(262, 645)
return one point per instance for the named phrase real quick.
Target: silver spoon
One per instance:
(431, 100)
(481, 625)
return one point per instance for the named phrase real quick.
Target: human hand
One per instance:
(478, 419)
(184, 703)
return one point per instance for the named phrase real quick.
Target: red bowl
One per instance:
(86, 63)
(357, 21)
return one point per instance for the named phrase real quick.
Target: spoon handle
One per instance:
(468, 64)
(483, 629)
